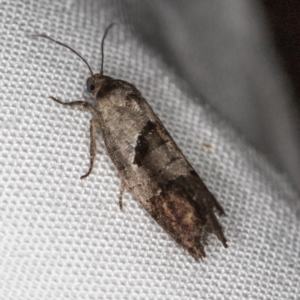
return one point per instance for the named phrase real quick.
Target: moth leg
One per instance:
(83, 104)
(122, 189)
(93, 148)
(94, 123)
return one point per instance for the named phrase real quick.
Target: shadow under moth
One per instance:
(148, 160)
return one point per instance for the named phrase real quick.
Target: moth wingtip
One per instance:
(199, 257)
(222, 239)
(225, 244)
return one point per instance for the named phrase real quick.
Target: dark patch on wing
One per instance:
(142, 144)
(141, 150)
(150, 126)
(194, 173)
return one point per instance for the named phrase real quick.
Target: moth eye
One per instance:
(90, 87)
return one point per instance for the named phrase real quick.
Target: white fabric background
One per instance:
(63, 238)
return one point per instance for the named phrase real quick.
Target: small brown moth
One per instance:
(148, 160)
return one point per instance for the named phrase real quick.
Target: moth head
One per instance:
(95, 82)
(90, 85)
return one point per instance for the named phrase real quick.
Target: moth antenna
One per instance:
(102, 46)
(64, 45)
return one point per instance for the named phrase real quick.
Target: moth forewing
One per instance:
(148, 160)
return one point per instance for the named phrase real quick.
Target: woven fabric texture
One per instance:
(65, 238)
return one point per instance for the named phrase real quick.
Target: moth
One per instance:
(150, 164)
